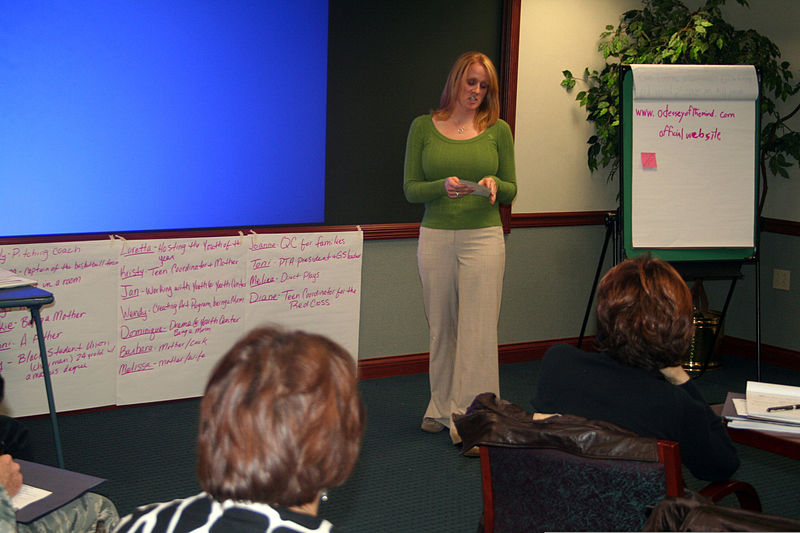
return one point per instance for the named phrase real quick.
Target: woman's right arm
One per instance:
(416, 188)
(10, 476)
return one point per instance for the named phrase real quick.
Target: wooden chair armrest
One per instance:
(744, 492)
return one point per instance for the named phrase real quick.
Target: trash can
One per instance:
(703, 351)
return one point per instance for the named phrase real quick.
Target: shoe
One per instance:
(472, 452)
(431, 425)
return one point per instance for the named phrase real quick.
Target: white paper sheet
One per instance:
(143, 321)
(694, 156)
(27, 495)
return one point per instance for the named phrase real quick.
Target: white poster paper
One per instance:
(144, 321)
(80, 328)
(694, 157)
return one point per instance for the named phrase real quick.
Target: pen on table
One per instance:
(784, 407)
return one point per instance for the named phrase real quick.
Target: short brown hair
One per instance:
(644, 313)
(489, 111)
(281, 419)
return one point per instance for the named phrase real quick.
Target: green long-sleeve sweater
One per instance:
(431, 158)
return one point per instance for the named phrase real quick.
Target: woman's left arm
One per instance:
(706, 448)
(506, 179)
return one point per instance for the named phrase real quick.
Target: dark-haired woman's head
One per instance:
(281, 419)
(644, 313)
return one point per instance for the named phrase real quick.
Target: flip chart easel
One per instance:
(689, 145)
(689, 151)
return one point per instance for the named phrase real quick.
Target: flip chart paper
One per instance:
(700, 121)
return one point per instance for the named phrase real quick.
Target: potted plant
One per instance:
(666, 31)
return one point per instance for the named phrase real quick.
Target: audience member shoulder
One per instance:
(564, 350)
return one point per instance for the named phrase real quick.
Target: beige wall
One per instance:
(549, 271)
(548, 279)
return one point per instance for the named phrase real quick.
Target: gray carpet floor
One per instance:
(405, 480)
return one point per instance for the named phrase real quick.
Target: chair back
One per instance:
(545, 489)
(565, 473)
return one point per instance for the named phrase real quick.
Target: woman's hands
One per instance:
(675, 374)
(490, 184)
(455, 189)
(10, 476)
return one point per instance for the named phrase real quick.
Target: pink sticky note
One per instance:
(649, 160)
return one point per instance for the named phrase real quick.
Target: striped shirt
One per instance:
(201, 513)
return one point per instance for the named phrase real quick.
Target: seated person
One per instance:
(644, 328)
(280, 422)
(91, 513)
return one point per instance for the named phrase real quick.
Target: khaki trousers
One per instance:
(462, 283)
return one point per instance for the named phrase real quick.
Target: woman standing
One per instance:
(460, 163)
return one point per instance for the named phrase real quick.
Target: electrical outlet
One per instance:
(780, 279)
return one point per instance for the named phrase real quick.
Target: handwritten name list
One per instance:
(142, 321)
(79, 328)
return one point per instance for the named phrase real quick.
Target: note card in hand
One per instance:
(649, 160)
(480, 190)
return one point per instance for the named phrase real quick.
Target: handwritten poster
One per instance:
(80, 328)
(694, 156)
(301, 277)
(143, 321)
(181, 304)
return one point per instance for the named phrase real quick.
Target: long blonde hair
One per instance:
(489, 111)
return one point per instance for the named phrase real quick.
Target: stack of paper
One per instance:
(766, 407)
(8, 279)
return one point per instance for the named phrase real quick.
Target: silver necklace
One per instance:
(462, 128)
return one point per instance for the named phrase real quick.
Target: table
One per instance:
(34, 298)
(786, 444)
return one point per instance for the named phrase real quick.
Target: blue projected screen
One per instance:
(139, 115)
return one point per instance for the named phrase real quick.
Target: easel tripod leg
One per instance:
(610, 226)
(48, 385)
